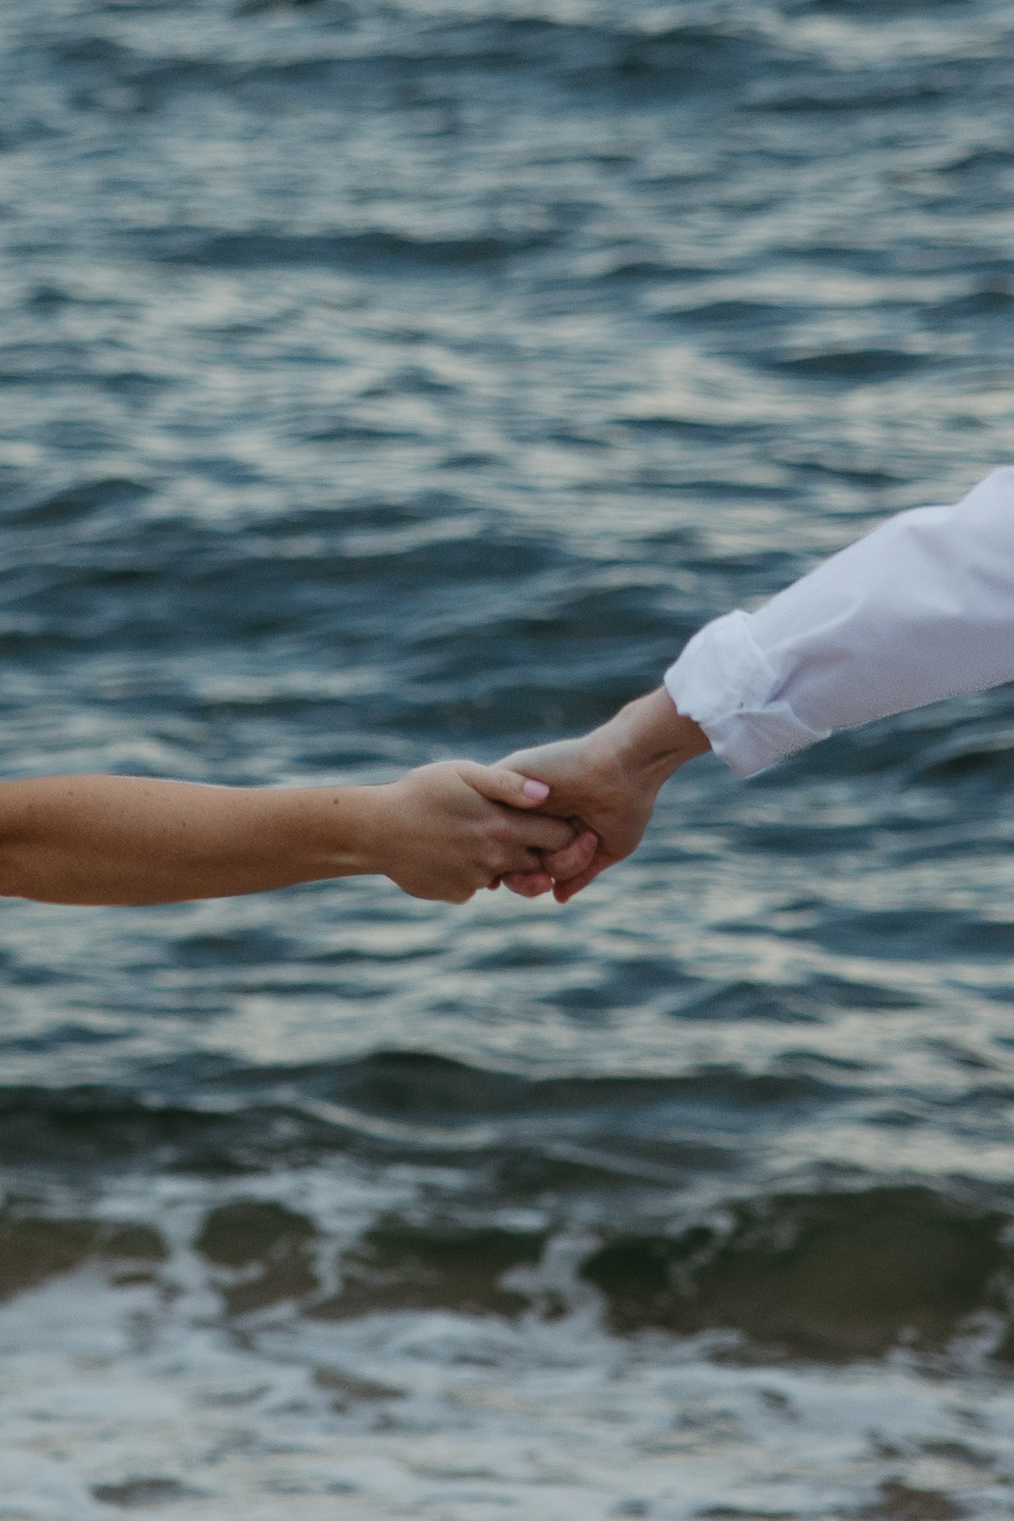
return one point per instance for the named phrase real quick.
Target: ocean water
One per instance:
(389, 381)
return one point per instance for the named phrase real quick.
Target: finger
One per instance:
(565, 865)
(564, 891)
(494, 884)
(575, 858)
(545, 834)
(503, 786)
(528, 884)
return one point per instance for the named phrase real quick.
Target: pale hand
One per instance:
(606, 783)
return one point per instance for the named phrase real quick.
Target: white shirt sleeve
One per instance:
(921, 608)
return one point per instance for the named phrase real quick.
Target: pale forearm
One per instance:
(131, 840)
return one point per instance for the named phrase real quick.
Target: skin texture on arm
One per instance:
(606, 782)
(440, 832)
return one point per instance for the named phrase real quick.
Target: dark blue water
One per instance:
(384, 382)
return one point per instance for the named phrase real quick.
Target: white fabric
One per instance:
(921, 608)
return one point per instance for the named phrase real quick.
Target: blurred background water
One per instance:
(387, 381)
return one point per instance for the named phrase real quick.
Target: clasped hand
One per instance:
(605, 784)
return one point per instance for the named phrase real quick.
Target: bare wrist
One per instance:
(652, 738)
(363, 826)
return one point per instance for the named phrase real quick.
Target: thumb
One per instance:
(500, 785)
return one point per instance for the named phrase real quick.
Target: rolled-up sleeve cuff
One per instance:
(724, 682)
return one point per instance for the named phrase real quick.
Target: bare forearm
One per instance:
(131, 840)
